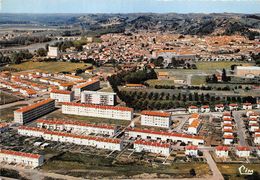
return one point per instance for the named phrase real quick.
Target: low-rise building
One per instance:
(243, 151)
(110, 112)
(193, 109)
(191, 150)
(219, 107)
(233, 107)
(153, 147)
(228, 139)
(194, 127)
(257, 139)
(156, 118)
(31, 112)
(221, 151)
(248, 106)
(26, 159)
(77, 127)
(164, 136)
(205, 109)
(99, 98)
(62, 95)
(95, 141)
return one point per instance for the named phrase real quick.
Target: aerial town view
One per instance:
(130, 89)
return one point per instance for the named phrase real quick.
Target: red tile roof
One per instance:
(156, 113)
(56, 91)
(77, 123)
(33, 106)
(228, 137)
(120, 108)
(222, 148)
(16, 153)
(149, 143)
(243, 148)
(193, 107)
(191, 147)
(165, 133)
(101, 139)
(219, 105)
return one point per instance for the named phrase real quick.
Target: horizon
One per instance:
(130, 6)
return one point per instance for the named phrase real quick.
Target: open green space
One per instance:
(230, 171)
(198, 80)
(50, 66)
(219, 65)
(94, 120)
(153, 82)
(7, 114)
(6, 98)
(93, 166)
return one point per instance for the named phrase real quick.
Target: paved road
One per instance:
(213, 167)
(240, 128)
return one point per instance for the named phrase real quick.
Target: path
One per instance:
(213, 167)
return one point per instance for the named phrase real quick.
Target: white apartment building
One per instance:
(221, 151)
(111, 112)
(191, 150)
(26, 159)
(31, 112)
(62, 95)
(233, 107)
(153, 147)
(76, 127)
(243, 151)
(164, 136)
(156, 118)
(95, 141)
(91, 85)
(99, 98)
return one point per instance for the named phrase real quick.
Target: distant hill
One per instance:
(194, 24)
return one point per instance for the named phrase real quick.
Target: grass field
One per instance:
(50, 66)
(6, 98)
(59, 115)
(93, 166)
(198, 80)
(218, 65)
(7, 114)
(154, 82)
(231, 170)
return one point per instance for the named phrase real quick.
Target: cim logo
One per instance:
(245, 171)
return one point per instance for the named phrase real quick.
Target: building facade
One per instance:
(111, 112)
(153, 147)
(62, 96)
(26, 159)
(158, 119)
(99, 98)
(31, 112)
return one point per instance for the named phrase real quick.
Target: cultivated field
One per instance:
(219, 65)
(50, 66)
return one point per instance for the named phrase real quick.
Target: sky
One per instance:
(129, 6)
